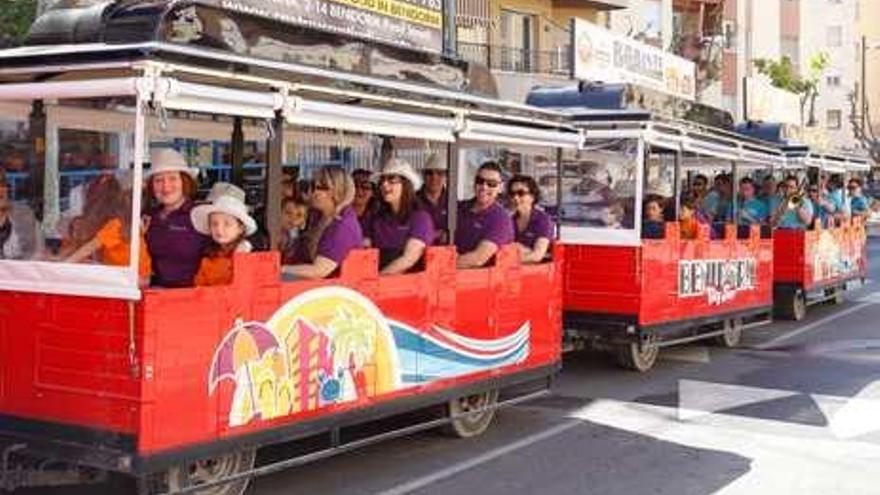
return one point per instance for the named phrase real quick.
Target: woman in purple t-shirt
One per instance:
(533, 227)
(174, 245)
(333, 235)
(400, 229)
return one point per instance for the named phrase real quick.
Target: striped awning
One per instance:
(472, 13)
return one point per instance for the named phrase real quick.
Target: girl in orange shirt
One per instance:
(227, 221)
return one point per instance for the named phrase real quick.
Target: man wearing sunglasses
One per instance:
(483, 224)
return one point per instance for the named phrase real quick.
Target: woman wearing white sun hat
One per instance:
(174, 244)
(401, 229)
(227, 221)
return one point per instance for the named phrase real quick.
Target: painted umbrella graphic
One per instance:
(245, 342)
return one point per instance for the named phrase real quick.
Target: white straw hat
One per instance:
(168, 160)
(436, 163)
(226, 189)
(223, 204)
(396, 166)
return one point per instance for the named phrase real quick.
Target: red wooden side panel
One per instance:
(602, 279)
(702, 277)
(67, 359)
(820, 257)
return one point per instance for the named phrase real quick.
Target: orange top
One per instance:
(115, 249)
(215, 270)
(688, 228)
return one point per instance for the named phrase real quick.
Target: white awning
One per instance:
(95, 88)
(487, 132)
(179, 95)
(370, 121)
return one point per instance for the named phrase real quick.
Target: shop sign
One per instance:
(717, 280)
(412, 24)
(602, 56)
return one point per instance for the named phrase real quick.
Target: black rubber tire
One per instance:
(464, 425)
(732, 336)
(835, 296)
(631, 357)
(790, 305)
(206, 470)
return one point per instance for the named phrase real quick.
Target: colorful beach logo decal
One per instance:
(333, 345)
(831, 259)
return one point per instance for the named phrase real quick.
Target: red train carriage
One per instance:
(815, 266)
(179, 387)
(633, 295)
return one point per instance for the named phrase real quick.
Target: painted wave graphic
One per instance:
(439, 353)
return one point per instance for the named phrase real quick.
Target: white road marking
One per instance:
(697, 398)
(811, 326)
(423, 481)
(688, 354)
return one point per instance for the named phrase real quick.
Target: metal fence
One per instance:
(511, 59)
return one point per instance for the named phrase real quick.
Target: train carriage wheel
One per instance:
(835, 295)
(465, 425)
(207, 470)
(638, 358)
(791, 305)
(732, 335)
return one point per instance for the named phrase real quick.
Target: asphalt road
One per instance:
(795, 410)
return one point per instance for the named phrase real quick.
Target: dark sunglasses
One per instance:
(482, 181)
(520, 193)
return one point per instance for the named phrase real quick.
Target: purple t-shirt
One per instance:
(175, 247)
(539, 226)
(341, 236)
(390, 236)
(439, 212)
(492, 224)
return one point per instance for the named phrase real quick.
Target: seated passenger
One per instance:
(794, 211)
(717, 202)
(400, 229)
(860, 204)
(335, 231)
(533, 227)
(10, 245)
(688, 221)
(294, 217)
(433, 196)
(823, 213)
(483, 224)
(106, 227)
(22, 224)
(653, 225)
(365, 202)
(752, 211)
(227, 221)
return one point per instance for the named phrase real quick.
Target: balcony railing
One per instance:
(510, 59)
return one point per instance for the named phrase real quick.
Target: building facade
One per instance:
(869, 30)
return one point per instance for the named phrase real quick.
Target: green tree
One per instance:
(783, 74)
(16, 17)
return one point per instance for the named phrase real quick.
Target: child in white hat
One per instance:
(227, 221)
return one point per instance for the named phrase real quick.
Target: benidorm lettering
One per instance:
(332, 346)
(718, 280)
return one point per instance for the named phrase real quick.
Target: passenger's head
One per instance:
(294, 213)
(333, 190)
(171, 180)
(225, 219)
(434, 174)
(288, 187)
(723, 184)
(487, 184)
(854, 186)
(688, 209)
(768, 186)
(364, 186)
(653, 210)
(701, 184)
(398, 183)
(747, 188)
(813, 192)
(523, 191)
(789, 186)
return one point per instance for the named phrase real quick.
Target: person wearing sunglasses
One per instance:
(859, 203)
(334, 233)
(365, 202)
(533, 227)
(400, 229)
(484, 225)
(433, 197)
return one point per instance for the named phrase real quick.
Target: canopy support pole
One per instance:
(274, 178)
(452, 180)
(237, 152)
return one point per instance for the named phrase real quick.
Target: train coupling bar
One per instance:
(21, 471)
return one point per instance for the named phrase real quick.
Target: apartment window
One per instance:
(833, 119)
(832, 81)
(835, 36)
(519, 37)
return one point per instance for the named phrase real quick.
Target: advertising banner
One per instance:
(600, 55)
(412, 24)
